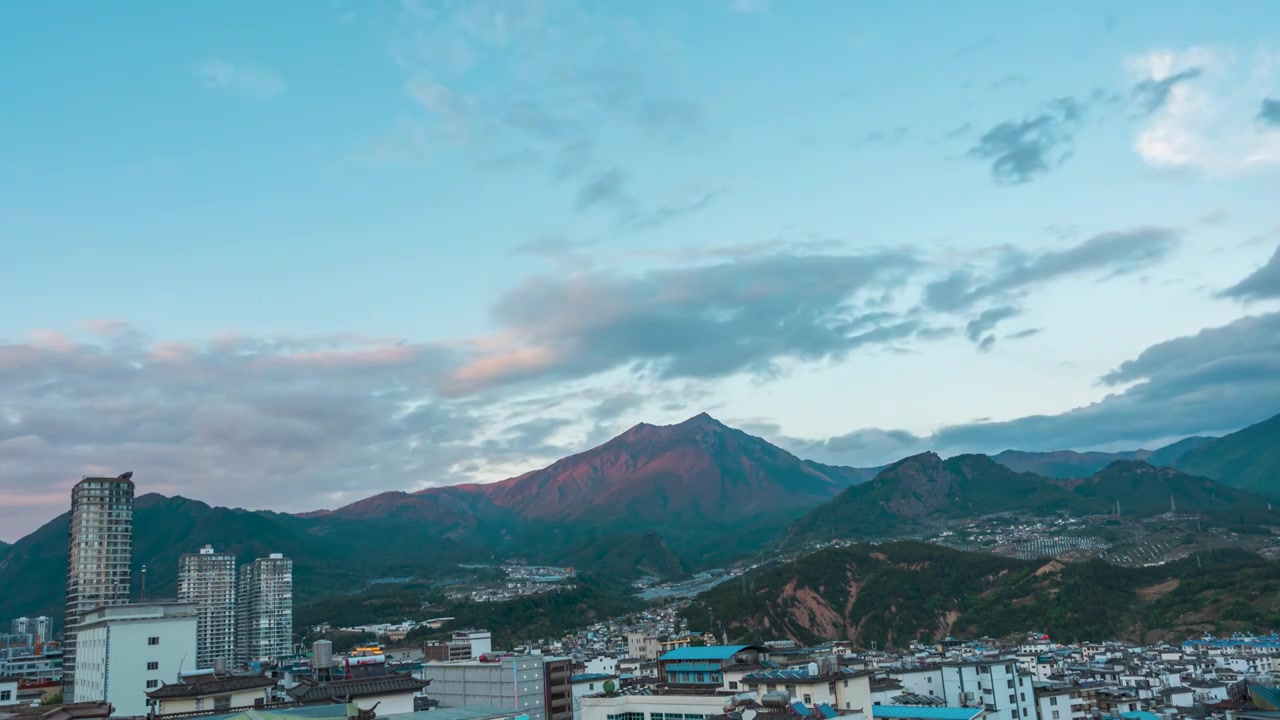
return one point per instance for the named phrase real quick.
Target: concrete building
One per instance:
(126, 650)
(516, 682)
(205, 692)
(650, 707)
(99, 555)
(830, 683)
(1062, 702)
(557, 674)
(704, 667)
(8, 691)
(45, 666)
(999, 686)
(40, 629)
(264, 610)
(464, 645)
(208, 579)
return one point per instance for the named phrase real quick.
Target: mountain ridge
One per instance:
(1248, 458)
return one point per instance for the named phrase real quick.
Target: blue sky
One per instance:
(334, 248)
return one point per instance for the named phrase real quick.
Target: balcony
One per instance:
(693, 667)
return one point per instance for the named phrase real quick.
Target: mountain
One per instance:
(691, 483)
(925, 488)
(1064, 463)
(620, 557)
(1168, 455)
(330, 555)
(1247, 459)
(637, 504)
(895, 593)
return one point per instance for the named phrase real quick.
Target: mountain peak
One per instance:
(702, 420)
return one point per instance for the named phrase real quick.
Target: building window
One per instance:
(930, 679)
(1010, 681)
(808, 699)
(153, 640)
(1053, 700)
(153, 665)
(6, 694)
(733, 684)
(1023, 696)
(1013, 699)
(1008, 669)
(1056, 715)
(1024, 712)
(222, 703)
(153, 684)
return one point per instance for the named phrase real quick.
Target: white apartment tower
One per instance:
(208, 579)
(99, 553)
(264, 610)
(39, 628)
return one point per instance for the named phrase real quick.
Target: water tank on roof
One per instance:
(220, 666)
(776, 699)
(813, 669)
(321, 654)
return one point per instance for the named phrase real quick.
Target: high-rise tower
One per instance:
(264, 610)
(99, 554)
(208, 579)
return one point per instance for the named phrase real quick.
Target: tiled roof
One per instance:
(309, 690)
(211, 687)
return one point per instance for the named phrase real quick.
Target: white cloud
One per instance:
(1208, 123)
(246, 80)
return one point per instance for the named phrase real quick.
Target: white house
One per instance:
(8, 691)
(123, 651)
(997, 685)
(199, 693)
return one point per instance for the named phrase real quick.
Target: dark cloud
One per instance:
(1022, 334)
(1151, 95)
(696, 322)
(1216, 381)
(1262, 284)
(1110, 253)
(1022, 150)
(1269, 113)
(608, 187)
(979, 330)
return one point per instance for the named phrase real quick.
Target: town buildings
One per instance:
(208, 579)
(126, 650)
(38, 629)
(99, 555)
(264, 610)
(516, 682)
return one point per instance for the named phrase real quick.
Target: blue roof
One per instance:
(712, 652)
(913, 712)
(588, 677)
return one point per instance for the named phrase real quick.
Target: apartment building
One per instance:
(1000, 686)
(126, 650)
(264, 610)
(208, 579)
(516, 682)
(99, 555)
(38, 629)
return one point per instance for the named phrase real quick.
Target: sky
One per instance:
(288, 255)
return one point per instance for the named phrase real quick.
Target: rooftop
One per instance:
(912, 712)
(211, 686)
(711, 652)
(312, 691)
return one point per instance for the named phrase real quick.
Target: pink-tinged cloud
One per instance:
(506, 367)
(170, 351)
(50, 340)
(339, 359)
(106, 328)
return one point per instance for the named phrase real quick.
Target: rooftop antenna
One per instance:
(144, 582)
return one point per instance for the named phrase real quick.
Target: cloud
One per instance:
(1211, 124)
(692, 200)
(979, 330)
(240, 79)
(1023, 334)
(1269, 112)
(703, 321)
(1109, 253)
(1022, 150)
(1262, 284)
(1215, 381)
(608, 187)
(1152, 94)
